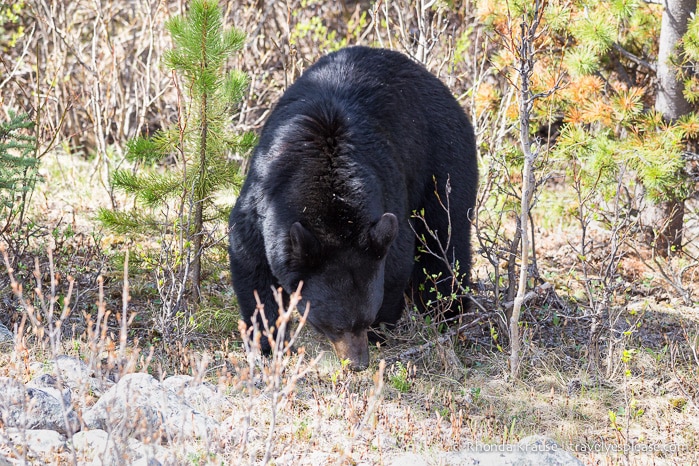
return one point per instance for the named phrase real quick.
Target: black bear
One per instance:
(363, 140)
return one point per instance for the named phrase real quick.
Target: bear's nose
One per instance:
(355, 347)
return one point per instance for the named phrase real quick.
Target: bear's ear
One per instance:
(383, 233)
(305, 248)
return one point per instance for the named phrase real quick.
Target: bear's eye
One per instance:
(335, 330)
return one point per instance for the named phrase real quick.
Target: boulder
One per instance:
(34, 408)
(40, 445)
(139, 406)
(7, 339)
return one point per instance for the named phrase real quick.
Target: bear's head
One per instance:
(344, 285)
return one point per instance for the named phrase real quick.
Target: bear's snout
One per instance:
(355, 347)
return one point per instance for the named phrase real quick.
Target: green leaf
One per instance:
(127, 222)
(596, 32)
(691, 39)
(146, 150)
(623, 9)
(581, 61)
(557, 16)
(234, 87)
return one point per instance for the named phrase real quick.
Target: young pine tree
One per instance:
(606, 55)
(178, 203)
(18, 169)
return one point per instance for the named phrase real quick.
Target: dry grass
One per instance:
(455, 395)
(306, 408)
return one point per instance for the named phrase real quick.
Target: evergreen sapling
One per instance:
(178, 203)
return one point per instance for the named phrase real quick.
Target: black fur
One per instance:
(358, 143)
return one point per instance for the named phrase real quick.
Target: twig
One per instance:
(416, 351)
(372, 404)
(525, 57)
(124, 310)
(633, 58)
(535, 293)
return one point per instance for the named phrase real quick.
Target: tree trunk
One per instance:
(198, 194)
(662, 225)
(663, 222)
(525, 66)
(669, 100)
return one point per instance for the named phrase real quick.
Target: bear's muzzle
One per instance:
(355, 347)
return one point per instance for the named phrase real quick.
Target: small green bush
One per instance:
(18, 170)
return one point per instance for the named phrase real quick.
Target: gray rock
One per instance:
(202, 396)
(308, 458)
(141, 407)
(531, 451)
(146, 462)
(409, 459)
(73, 369)
(187, 385)
(98, 447)
(38, 444)
(50, 385)
(34, 408)
(78, 375)
(7, 339)
(37, 367)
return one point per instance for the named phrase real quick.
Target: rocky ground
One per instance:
(68, 413)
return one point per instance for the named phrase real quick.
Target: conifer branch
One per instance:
(633, 58)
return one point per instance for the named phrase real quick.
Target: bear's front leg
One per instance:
(261, 311)
(251, 275)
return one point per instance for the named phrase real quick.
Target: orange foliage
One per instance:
(486, 99)
(582, 89)
(597, 111)
(544, 77)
